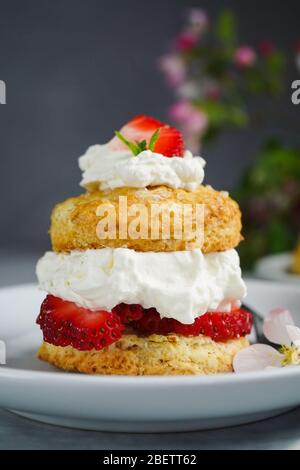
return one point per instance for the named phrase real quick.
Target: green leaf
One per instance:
(153, 139)
(141, 146)
(226, 28)
(133, 147)
(138, 147)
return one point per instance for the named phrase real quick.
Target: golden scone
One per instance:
(74, 221)
(152, 355)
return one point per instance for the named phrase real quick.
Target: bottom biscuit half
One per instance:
(151, 355)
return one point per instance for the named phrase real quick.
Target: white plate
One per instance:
(142, 404)
(276, 268)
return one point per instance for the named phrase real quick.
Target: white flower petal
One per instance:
(275, 326)
(294, 334)
(257, 357)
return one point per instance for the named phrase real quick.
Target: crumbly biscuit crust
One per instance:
(74, 221)
(152, 355)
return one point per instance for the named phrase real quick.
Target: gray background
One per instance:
(76, 70)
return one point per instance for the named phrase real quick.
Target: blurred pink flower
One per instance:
(191, 119)
(180, 111)
(244, 56)
(278, 328)
(173, 68)
(197, 20)
(265, 47)
(196, 122)
(186, 41)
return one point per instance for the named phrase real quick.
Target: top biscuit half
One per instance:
(75, 222)
(148, 191)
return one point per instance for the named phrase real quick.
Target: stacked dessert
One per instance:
(143, 305)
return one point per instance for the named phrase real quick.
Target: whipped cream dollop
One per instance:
(110, 168)
(181, 285)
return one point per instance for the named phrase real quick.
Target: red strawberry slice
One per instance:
(65, 324)
(169, 142)
(217, 325)
(128, 313)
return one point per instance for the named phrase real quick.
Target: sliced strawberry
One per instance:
(128, 313)
(139, 128)
(64, 323)
(217, 325)
(169, 142)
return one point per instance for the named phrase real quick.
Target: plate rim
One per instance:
(152, 380)
(281, 275)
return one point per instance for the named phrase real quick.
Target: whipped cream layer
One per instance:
(181, 285)
(111, 169)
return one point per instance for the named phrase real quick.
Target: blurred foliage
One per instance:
(269, 195)
(209, 69)
(214, 79)
(226, 30)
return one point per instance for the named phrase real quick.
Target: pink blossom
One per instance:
(274, 326)
(244, 56)
(186, 41)
(256, 357)
(265, 47)
(198, 20)
(278, 328)
(196, 122)
(294, 334)
(173, 68)
(191, 119)
(180, 111)
(197, 25)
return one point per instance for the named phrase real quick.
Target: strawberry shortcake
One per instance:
(129, 296)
